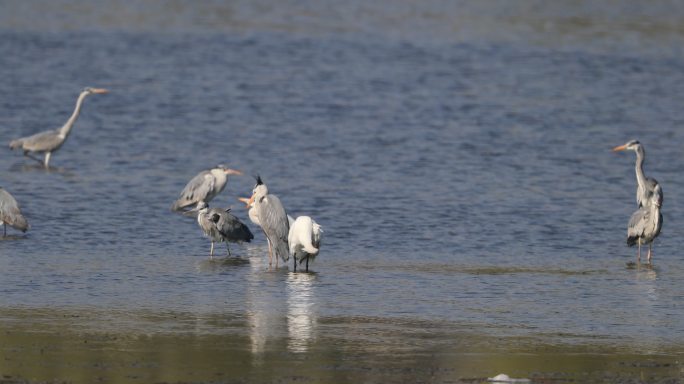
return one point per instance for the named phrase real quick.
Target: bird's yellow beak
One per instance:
(232, 172)
(620, 148)
(245, 200)
(250, 201)
(100, 90)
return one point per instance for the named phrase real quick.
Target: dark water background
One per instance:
(457, 155)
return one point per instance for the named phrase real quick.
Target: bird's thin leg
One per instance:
(294, 262)
(47, 159)
(307, 264)
(228, 246)
(639, 252)
(650, 254)
(211, 252)
(27, 154)
(270, 257)
(4, 229)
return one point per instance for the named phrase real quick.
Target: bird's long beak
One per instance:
(232, 172)
(620, 148)
(100, 90)
(245, 200)
(250, 201)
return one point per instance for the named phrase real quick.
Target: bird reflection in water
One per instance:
(301, 311)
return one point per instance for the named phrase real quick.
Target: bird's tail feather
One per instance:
(281, 250)
(177, 206)
(14, 144)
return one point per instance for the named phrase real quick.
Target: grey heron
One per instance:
(204, 187)
(254, 217)
(50, 141)
(645, 224)
(273, 221)
(645, 185)
(221, 226)
(304, 240)
(10, 213)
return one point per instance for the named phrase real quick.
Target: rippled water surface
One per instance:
(463, 176)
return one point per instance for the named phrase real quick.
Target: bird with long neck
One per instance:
(272, 219)
(50, 141)
(645, 185)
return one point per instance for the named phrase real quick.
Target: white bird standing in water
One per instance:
(304, 240)
(50, 141)
(10, 213)
(645, 224)
(273, 221)
(204, 187)
(221, 226)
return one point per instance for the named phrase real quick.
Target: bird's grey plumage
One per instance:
(273, 220)
(10, 213)
(51, 140)
(221, 226)
(645, 224)
(645, 185)
(203, 187)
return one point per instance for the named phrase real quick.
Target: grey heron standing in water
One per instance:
(10, 213)
(645, 185)
(204, 187)
(221, 226)
(644, 225)
(50, 141)
(304, 240)
(273, 221)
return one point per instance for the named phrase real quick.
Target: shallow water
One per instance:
(463, 177)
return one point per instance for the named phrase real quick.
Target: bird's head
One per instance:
(632, 145)
(91, 90)
(260, 190)
(228, 171)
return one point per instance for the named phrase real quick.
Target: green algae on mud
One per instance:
(87, 346)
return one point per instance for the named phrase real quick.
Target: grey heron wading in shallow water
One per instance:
(644, 225)
(50, 141)
(645, 185)
(304, 240)
(273, 221)
(10, 213)
(221, 226)
(204, 187)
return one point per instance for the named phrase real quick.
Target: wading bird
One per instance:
(221, 226)
(273, 221)
(645, 185)
(644, 225)
(204, 187)
(304, 240)
(10, 214)
(50, 141)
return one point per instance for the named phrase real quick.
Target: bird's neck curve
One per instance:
(639, 167)
(66, 128)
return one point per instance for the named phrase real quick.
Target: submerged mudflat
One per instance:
(91, 346)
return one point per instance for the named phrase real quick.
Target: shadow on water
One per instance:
(40, 168)
(11, 237)
(218, 264)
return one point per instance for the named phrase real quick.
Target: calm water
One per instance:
(463, 176)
